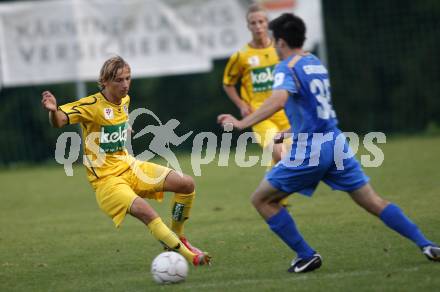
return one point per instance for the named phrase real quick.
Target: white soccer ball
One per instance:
(169, 267)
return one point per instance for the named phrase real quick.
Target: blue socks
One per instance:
(284, 226)
(394, 218)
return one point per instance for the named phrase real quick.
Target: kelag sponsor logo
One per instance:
(262, 78)
(112, 138)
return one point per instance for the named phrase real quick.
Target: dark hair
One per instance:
(290, 28)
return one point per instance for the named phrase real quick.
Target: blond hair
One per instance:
(109, 70)
(255, 7)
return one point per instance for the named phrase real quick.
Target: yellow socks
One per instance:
(162, 233)
(180, 209)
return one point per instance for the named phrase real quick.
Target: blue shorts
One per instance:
(340, 174)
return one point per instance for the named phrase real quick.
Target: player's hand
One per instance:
(245, 110)
(49, 101)
(225, 119)
(278, 138)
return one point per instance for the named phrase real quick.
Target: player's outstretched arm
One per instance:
(57, 118)
(270, 106)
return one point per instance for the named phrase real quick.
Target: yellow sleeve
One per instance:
(79, 111)
(233, 70)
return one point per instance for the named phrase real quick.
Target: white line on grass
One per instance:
(295, 277)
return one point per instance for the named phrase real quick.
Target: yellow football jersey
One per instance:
(254, 69)
(104, 128)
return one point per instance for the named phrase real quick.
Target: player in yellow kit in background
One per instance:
(119, 180)
(253, 66)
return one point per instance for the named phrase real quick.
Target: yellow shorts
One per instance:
(115, 194)
(267, 129)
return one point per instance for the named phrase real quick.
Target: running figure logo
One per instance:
(163, 136)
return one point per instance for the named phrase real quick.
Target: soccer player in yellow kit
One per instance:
(253, 67)
(119, 180)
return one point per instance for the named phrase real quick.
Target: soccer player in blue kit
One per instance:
(301, 86)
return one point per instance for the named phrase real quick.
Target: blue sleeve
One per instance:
(283, 79)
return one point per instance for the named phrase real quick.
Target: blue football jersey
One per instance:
(309, 110)
(309, 107)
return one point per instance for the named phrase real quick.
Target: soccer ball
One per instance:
(169, 267)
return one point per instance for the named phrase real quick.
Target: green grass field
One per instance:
(53, 237)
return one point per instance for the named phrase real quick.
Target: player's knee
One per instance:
(187, 185)
(256, 200)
